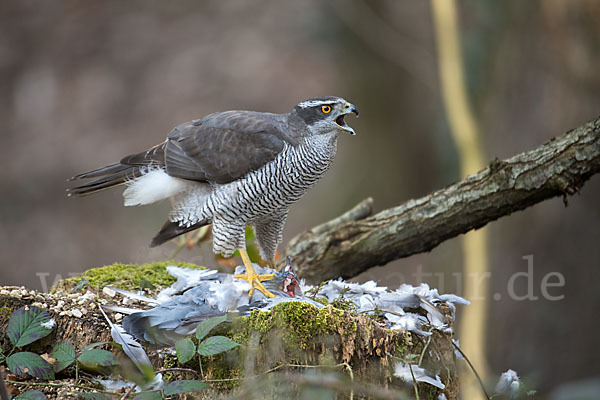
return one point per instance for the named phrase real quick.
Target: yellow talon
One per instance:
(252, 277)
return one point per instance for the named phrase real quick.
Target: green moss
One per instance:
(298, 322)
(170, 361)
(344, 304)
(432, 393)
(5, 312)
(128, 276)
(322, 300)
(402, 345)
(226, 366)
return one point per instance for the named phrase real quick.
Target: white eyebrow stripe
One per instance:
(313, 103)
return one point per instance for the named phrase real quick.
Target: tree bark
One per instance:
(357, 240)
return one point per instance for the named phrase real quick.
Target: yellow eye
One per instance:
(326, 109)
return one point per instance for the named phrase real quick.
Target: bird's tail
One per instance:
(104, 178)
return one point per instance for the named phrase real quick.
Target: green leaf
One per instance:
(207, 325)
(146, 284)
(148, 396)
(97, 360)
(31, 395)
(94, 345)
(27, 325)
(24, 363)
(184, 386)
(185, 349)
(215, 345)
(64, 353)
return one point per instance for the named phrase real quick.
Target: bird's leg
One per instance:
(252, 277)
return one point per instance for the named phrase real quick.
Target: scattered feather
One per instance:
(50, 324)
(201, 294)
(403, 371)
(131, 347)
(508, 384)
(132, 295)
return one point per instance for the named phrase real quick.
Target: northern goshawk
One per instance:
(232, 169)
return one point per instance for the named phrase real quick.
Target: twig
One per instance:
(414, 381)
(280, 366)
(487, 396)
(303, 366)
(58, 385)
(424, 349)
(160, 371)
(351, 373)
(200, 366)
(128, 392)
(3, 391)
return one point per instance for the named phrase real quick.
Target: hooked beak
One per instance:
(348, 108)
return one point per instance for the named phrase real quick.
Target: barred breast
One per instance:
(261, 198)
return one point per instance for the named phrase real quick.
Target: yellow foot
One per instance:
(253, 278)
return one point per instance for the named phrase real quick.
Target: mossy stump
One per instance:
(290, 342)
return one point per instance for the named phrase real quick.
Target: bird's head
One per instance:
(286, 281)
(326, 114)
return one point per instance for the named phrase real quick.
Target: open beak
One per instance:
(348, 108)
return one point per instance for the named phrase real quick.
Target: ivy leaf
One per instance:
(215, 345)
(31, 395)
(64, 353)
(27, 325)
(24, 363)
(184, 386)
(185, 349)
(148, 396)
(97, 360)
(207, 325)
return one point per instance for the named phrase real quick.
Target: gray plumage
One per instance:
(232, 169)
(201, 294)
(213, 295)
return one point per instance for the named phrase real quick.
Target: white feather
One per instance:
(153, 186)
(406, 373)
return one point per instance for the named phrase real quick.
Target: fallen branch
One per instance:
(358, 240)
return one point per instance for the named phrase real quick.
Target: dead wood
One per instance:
(357, 241)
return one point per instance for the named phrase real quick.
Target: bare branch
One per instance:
(557, 168)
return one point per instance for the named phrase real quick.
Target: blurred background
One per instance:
(85, 83)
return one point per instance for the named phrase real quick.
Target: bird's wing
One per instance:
(222, 147)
